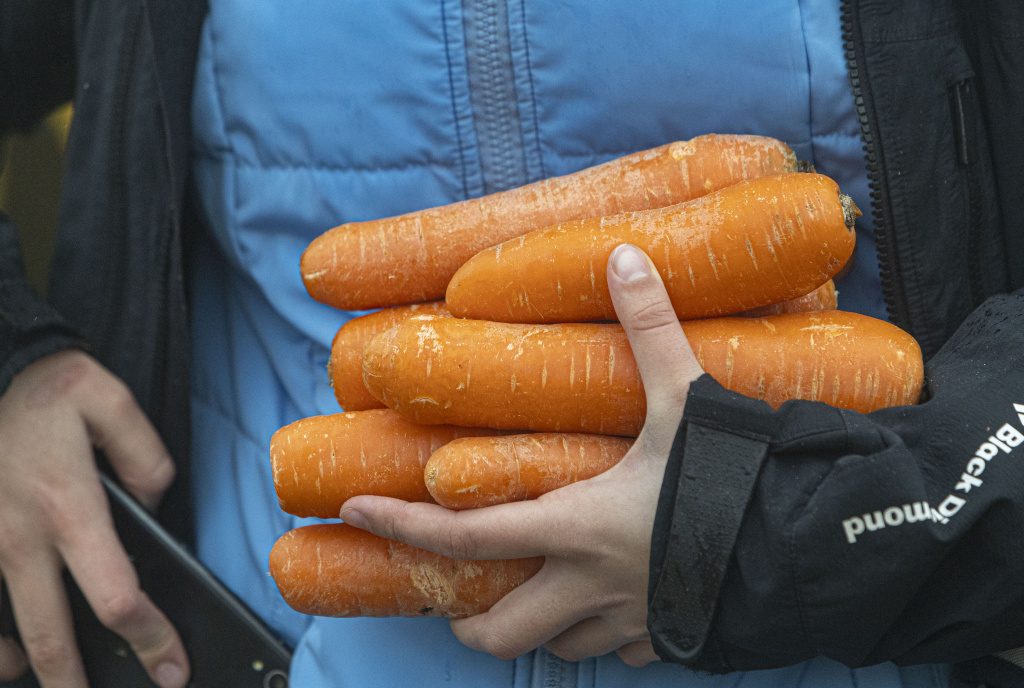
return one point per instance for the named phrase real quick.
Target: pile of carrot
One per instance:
(515, 384)
(411, 258)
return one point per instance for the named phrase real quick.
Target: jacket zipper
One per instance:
(966, 154)
(492, 94)
(122, 104)
(893, 287)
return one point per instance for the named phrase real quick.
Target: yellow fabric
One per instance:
(30, 189)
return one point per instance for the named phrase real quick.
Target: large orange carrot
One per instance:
(582, 377)
(473, 472)
(337, 570)
(745, 246)
(824, 298)
(410, 258)
(345, 368)
(320, 462)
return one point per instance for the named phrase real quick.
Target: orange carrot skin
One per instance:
(345, 368)
(411, 258)
(551, 378)
(474, 472)
(754, 243)
(582, 377)
(844, 359)
(320, 462)
(337, 570)
(824, 298)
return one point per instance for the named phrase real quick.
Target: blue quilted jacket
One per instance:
(310, 114)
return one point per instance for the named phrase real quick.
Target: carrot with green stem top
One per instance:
(754, 243)
(411, 258)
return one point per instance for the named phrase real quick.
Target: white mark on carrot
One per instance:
(711, 261)
(433, 585)
(586, 385)
(611, 366)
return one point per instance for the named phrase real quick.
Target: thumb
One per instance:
(664, 359)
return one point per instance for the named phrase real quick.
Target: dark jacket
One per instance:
(783, 535)
(937, 92)
(118, 272)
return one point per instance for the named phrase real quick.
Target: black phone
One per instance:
(227, 644)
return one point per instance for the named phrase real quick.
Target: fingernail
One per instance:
(170, 676)
(353, 518)
(629, 264)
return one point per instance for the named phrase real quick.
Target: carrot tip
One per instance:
(850, 210)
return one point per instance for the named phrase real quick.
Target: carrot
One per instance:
(473, 472)
(337, 570)
(345, 369)
(582, 377)
(824, 298)
(410, 258)
(745, 246)
(320, 462)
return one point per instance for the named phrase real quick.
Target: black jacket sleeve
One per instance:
(29, 329)
(36, 75)
(897, 535)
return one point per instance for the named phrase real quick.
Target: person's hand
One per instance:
(54, 512)
(590, 597)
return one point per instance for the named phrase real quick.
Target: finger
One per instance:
(119, 427)
(100, 566)
(13, 662)
(638, 653)
(591, 637)
(526, 618)
(663, 355)
(44, 621)
(504, 531)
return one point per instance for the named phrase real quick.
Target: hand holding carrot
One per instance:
(590, 597)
